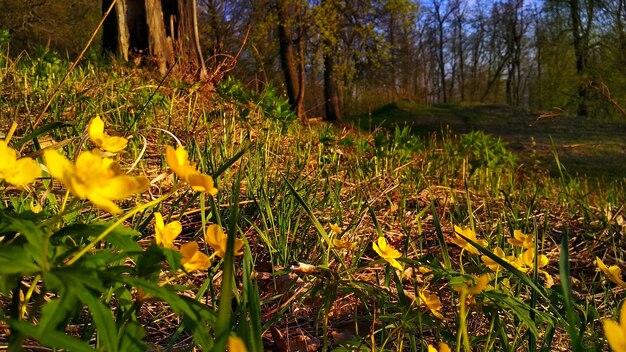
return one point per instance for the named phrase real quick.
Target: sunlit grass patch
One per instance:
(219, 223)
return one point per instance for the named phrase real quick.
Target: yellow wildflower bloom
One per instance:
(96, 133)
(216, 238)
(178, 160)
(616, 332)
(432, 302)
(95, 178)
(166, 234)
(336, 229)
(35, 207)
(613, 273)
(193, 259)
(521, 240)
(18, 172)
(343, 244)
(467, 232)
(387, 252)
(443, 347)
(236, 344)
(472, 288)
(491, 264)
(526, 263)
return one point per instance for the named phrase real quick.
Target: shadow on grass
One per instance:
(585, 146)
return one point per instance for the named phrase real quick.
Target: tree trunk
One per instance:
(292, 71)
(159, 30)
(580, 51)
(331, 91)
(332, 98)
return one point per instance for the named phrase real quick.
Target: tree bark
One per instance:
(160, 30)
(331, 91)
(293, 79)
(580, 51)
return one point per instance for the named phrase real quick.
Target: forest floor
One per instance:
(584, 146)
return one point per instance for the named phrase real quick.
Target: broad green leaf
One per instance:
(121, 237)
(103, 318)
(55, 313)
(53, 338)
(17, 260)
(131, 338)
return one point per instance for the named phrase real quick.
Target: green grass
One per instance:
(281, 184)
(586, 146)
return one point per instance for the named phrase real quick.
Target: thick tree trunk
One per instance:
(115, 38)
(160, 30)
(580, 51)
(293, 69)
(331, 91)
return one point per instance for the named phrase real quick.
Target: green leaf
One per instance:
(103, 318)
(17, 260)
(441, 239)
(519, 308)
(572, 317)
(131, 339)
(54, 314)
(53, 338)
(121, 237)
(41, 131)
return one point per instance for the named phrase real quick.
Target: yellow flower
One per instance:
(236, 344)
(216, 238)
(193, 259)
(616, 332)
(491, 264)
(178, 160)
(521, 240)
(432, 302)
(467, 232)
(527, 260)
(526, 263)
(343, 244)
(166, 234)
(613, 273)
(336, 229)
(35, 207)
(18, 172)
(95, 178)
(387, 252)
(472, 288)
(443, 347)
(102, 139)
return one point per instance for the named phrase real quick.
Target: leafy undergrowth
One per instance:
(283, 235)
(590, 147)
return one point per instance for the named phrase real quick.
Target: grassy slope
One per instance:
(366, 186)
(585, 146)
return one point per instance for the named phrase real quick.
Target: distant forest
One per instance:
(565, 56)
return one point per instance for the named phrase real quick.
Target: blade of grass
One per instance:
(568, 300)
(441, 239)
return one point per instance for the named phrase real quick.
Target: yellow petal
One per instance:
(216, 239)
(336, 229)
(25, 171)
(431, 349)
(443, 347)
(236, 344)
(121, 187)
(95, 130)
(480, 285)
(158, 221)
(114, 144)
(58, 166)
(201, 183)
(193, 259)
(615, 334)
